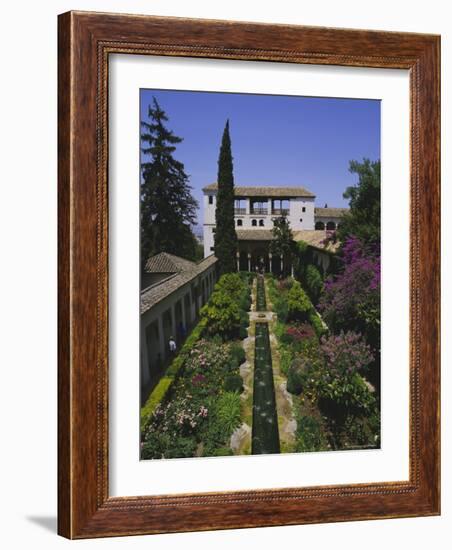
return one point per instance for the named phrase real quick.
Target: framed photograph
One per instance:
(248, 275)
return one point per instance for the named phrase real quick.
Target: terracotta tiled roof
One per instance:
(330, 212)
(153, 294)
(312, 237)
(316, 239)
(167, 263)
(254, 234)
(262, 191)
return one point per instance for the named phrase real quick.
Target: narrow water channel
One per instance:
(261, 302)
(265, 435)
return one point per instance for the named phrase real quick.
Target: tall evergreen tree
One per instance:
(168, 209)
(282, 243)
(225, 235)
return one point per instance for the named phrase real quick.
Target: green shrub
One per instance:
(233, 383)
(154, 399)
(295, 379)
(361, 431)
(237, 354)
(228, 411)
(314, 283)
(298, 303)
(317, 324)
(281, 309)
(309, 435)
(162, 445)
(226, 313)
(344, 357)
(222, 451)
(224, 418)
(222, 316)
(285, 358)
(304, 370)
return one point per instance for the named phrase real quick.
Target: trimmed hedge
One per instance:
(317, 324)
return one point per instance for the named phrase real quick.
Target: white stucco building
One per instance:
(174, 291)
(255, 210)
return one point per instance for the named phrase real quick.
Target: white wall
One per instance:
(208, 239)
(28, 275)
(209, 209)
(299, 219)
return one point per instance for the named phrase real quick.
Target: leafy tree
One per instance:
(226, 312)
(282, 243)
(222, 315)
(299, 305)
(225, 235)
(363, 220)
(168, 209)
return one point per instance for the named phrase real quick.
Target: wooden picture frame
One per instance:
(86, 40)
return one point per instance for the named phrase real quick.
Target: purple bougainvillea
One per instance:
(351, 300)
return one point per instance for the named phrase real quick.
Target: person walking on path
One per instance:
(172, 345)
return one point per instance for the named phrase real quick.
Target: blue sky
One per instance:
(276, 140)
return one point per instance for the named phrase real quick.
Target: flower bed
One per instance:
(196, 405)
(200, 415)
(335, 407)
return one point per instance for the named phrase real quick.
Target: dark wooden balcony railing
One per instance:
(239, 211)
(259, 211)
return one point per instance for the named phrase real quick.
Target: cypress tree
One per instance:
(282, 243)
(225, 235)
(168, 209)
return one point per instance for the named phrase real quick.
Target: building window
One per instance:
(301, 219)
(240, 206)
(214, 230)
(303, 209)
(254, 223)
(261, 223)
(212, 248)
(240, 222)
(210, 199)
